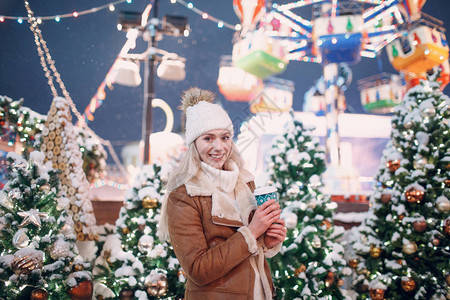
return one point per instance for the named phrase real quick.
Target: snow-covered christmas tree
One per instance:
(310, 264)
(38, 257)
(296, 162)
(403, 247)
(58, 142)
(134, 262)
(18, 122)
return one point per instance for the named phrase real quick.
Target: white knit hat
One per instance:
(202, 115)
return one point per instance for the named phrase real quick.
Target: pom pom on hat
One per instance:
(202, 115)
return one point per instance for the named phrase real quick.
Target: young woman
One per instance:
(210, 216)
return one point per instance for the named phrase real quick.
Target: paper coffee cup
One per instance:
(263, 194)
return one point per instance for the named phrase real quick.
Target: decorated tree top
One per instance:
(36, 242)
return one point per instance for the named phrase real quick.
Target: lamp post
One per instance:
(149, 87)
(151, 31)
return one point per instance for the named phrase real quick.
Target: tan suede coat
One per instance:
(213, 251)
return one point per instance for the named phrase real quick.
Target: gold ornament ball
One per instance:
(447, 182)
(149, 202)
(157, 286)
(326, 223)
(375, 252)
(361, 271)
(409, 285)
(435, 242)
(414, 195)
(340, 282)
(385, 198)
(44, 188)
(125, 230)
(83, 291)
(39, 294)
(299, 270)
(77, 267)
(24, 264)
(443, 205)
(419, 226)
(329, 279)
(126, 294)
(353, 263)
(376, 294)
(393, 165)
(410, 248)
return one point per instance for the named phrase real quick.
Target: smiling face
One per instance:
(214, 147)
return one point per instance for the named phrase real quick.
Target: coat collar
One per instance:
(222, 211)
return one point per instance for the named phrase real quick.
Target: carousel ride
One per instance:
(340, 33)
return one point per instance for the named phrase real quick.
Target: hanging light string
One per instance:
(46, 59)
(40, 43)
(205, 15)
(74, 14)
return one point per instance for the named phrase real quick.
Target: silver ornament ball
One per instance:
(428, 112)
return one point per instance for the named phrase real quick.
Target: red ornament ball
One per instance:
(83, 291)
(409, 285)
(419, 226)
(39, 294)
(376, 294)
(393, 165)
(385, 198)
(414, 195)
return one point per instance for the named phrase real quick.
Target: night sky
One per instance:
(84, 49)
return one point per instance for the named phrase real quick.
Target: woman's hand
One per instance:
(275, 234)
(264, 216)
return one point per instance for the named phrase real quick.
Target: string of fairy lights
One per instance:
(112, 7)
(206, 16)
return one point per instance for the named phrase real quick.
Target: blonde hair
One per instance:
(182, 174)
